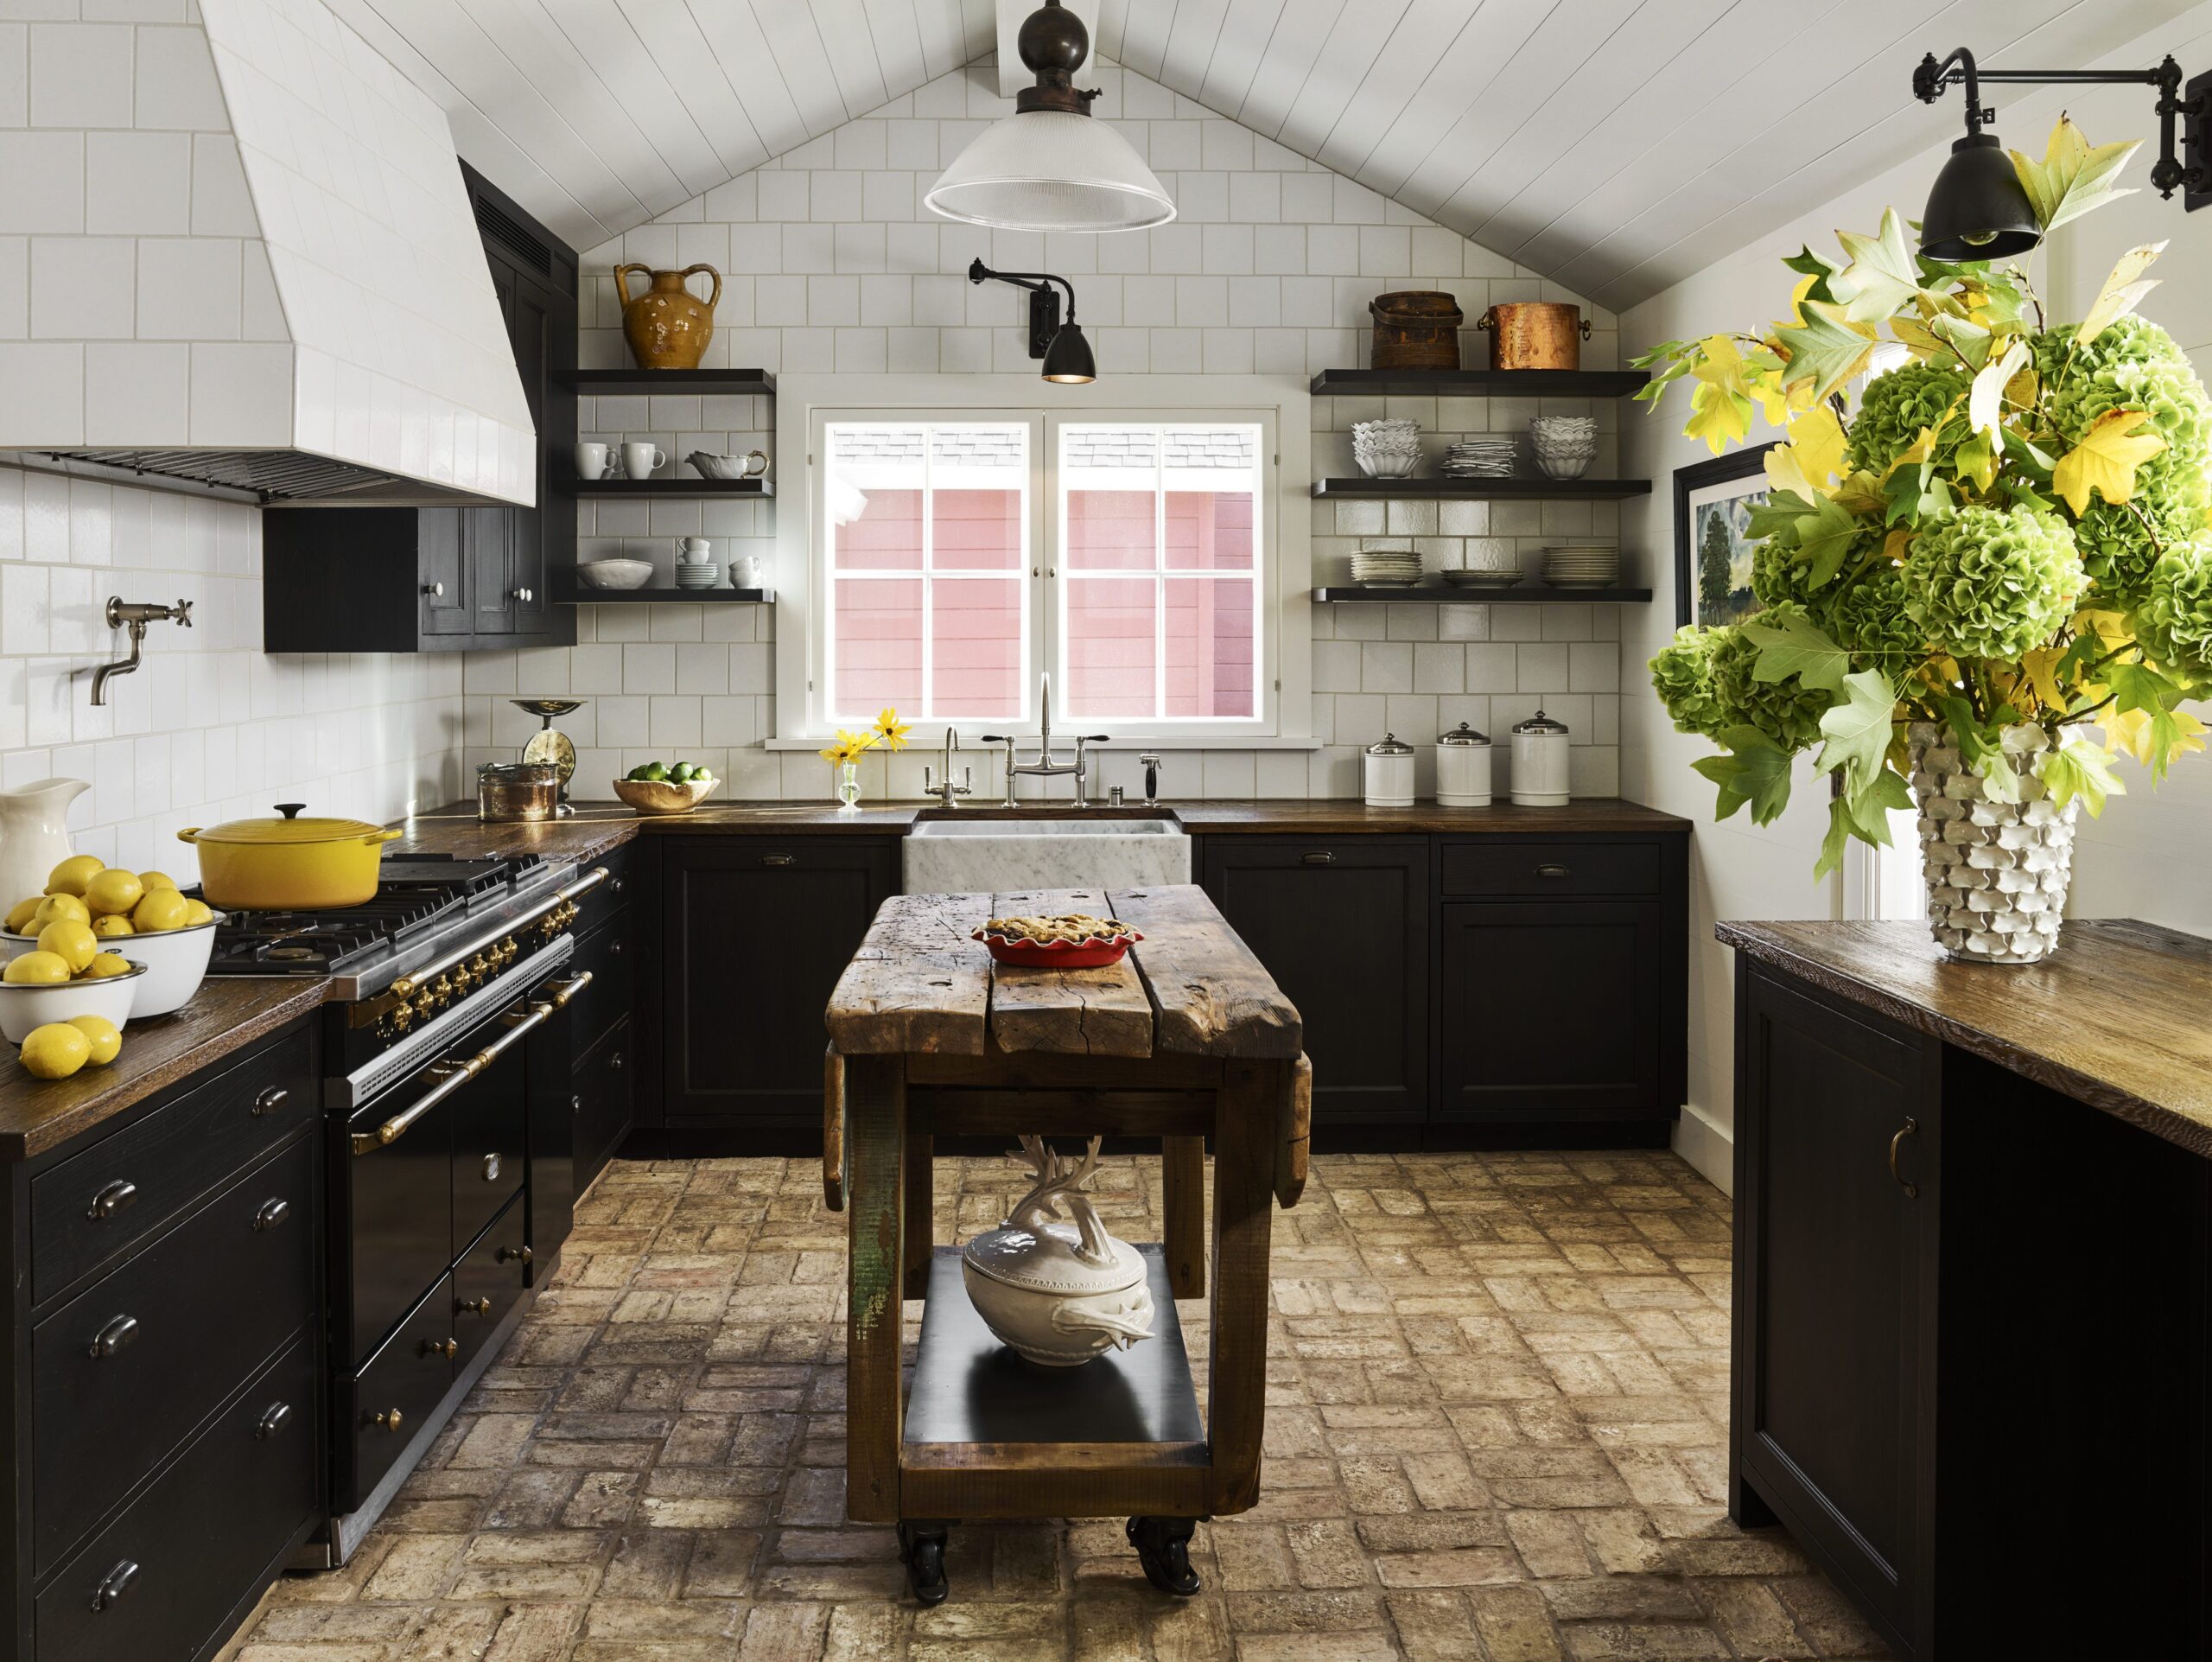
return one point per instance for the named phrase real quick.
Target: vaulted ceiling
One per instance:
(1614, 146)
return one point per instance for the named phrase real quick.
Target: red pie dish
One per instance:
(1059, 954)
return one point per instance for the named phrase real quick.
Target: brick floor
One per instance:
(1495, 1429)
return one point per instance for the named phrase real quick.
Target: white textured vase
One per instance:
(1997, 871)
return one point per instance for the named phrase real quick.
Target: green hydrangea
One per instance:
(1897, 407)
(2173, 623)
(1992, 583)
(1682, 673)
(2133, 365)
(1871, 618)
(1788, 712)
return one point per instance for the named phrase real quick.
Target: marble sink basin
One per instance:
(949, 856)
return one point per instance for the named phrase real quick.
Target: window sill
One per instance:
(1028, 743)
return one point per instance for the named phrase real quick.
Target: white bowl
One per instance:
(616, 574)
(1392, 465)
(23, 1007)
(175, 961)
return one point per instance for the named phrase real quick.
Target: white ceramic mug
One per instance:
(693, 550)
(749, 573)
(591, 461)
(640, 461)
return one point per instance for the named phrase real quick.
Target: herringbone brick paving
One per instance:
(1496, 1429)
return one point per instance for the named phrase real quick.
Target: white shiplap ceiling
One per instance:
(1614, 146)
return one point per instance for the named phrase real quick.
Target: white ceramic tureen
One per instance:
(1059, 1293)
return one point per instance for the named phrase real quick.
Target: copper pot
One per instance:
(1534, 335)
(668, 327)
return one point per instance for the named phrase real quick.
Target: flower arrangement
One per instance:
(844, 754)
(2006, 538)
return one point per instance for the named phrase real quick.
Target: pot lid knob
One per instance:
(290, 810)
(1462, 733)
(1540, 722)
(1388, 745)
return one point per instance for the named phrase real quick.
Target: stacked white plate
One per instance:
(698, 574)
(1585, 565)
(1386, 568)
(1480, 458)
(1565, 445)
(1386, 449)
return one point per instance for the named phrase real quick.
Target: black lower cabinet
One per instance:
(755, 932)
(604, 1102)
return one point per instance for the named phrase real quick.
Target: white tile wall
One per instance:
(209, 727)
(831, 263)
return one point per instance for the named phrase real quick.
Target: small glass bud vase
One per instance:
(848, 788)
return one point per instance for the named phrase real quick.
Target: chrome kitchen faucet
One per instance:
(1044, 765)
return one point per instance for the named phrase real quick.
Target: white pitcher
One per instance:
(34, 835)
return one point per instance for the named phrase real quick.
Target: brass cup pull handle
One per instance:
(446, 1348)
(1548, 870)
(1911, 1128)
(270, 1213)
(517, 1255)
(271, 1421)
(1317, 857)
(270, 1100)
(112, 1198)
(564, 990)
(390, 1420)
(780, 859)
(114, 1585)
(117, 1335)
(471, 1307)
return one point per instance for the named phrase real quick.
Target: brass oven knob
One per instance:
(402, 1017)
(425, 1006)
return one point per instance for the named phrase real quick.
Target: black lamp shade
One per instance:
(1068, 359)
(1976, 209)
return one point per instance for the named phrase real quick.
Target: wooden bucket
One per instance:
(1535, 334)
(1416, 329)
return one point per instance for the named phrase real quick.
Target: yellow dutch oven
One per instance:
(290, 864)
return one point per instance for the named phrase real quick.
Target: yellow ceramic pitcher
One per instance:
(668, 327)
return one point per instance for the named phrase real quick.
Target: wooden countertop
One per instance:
(1345, 816)
(223, 1017)
(2119, 1017)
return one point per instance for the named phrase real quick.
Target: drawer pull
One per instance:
(446, 1348)
(117, 1335)
(1911, 1128)
(1317, 857)
(271, 1213)
(615, 949)
(271, 1421)
(517, 1255)
(621, 883)
(114, 1585)
(1551, 871)
(113, 1199)
(491, 1168)
(564, 990)
(270, 1101)
(780, 859)
(450, 1077)
(471, 1307)
(614, 1061)
(390, 1420)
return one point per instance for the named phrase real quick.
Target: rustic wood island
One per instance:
(1187, 1038)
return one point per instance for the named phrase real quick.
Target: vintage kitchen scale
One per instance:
(548, 744)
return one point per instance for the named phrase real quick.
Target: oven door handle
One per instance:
(451, 1076)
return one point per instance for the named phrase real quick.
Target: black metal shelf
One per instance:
(1483, 383)
(614, 489)
(1432, 488)
(1469, 594)
(617, 383)
(583, 593)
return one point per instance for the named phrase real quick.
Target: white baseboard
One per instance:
(1708, 1145)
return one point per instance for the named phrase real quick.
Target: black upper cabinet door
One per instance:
(532, 314)
(1550, 1010)
(445, 604)
(487, 536)
(756, 933)
(1343, 926)
(1837, 1158)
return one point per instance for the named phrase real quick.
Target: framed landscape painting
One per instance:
(1712, 560)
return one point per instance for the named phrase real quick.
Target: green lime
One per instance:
(680, 774)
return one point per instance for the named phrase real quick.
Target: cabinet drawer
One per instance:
(163, 1577)
(488, 1280)
(609, 897)
(120, 1190)
(1496, 867)
(123, 1372)
(395, 1391)
(606, 952)
(603, 1103)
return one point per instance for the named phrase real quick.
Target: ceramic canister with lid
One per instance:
(1386, 774)
(1462, 769)
(1540, 762)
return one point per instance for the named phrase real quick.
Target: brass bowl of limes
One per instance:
(658, 788)
(140, 915)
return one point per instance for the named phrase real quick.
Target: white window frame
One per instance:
(1281, 406)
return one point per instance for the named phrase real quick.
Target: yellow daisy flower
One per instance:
(891, 729)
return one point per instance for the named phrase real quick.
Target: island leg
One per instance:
(1247, 1115)
(921, 1212)
(875, 1148)
(1182, 1214)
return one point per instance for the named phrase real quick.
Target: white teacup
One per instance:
(693, 550)
(591, 461)
(641, 461)
(748, 573)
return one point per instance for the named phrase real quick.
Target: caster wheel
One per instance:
(1163, 1547)
(921, 1549)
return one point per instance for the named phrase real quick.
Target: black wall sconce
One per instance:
(1066, 354)
(1977, 210)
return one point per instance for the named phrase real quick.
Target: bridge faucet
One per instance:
(944, 790)
(1044, 766)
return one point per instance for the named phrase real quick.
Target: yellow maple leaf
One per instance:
(2039, 666)
(1720, 363)
(2105, 460)
(1816, 438)
(1895, 545)
(1718, 416)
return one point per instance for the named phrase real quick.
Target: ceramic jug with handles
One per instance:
(34, 834)
(668, 327)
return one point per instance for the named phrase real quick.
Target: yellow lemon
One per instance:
(159, 909)
(40, 968)
(55, 1051)
(59, 905)
(113, 923)
(112, 891)
(197, 913)
(104, 964)
(72, 873)
(156, 880)
(18, 920)
(73, 942)
(104, 1037)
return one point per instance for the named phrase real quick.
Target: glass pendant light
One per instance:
(1050, 166)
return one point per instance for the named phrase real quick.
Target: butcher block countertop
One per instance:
(2119, 1017)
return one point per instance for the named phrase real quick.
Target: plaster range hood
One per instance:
(318, 325)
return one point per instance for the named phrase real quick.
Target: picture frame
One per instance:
(1712, 500)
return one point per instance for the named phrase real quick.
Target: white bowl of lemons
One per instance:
(139, 916)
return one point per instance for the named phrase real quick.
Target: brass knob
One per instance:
(390, 1420)
(442, 1347)
(401, 1018)
(472, 1305)
(515, 1255)
(480, 966)
(425, 1006)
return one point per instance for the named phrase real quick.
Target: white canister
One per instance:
(1386, 774)
(1540, 762)
(1462, 769)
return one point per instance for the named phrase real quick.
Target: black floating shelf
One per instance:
(700, 489)
(618, 383)
(1483, 383)
(1494, 490)
(1468, 595)
(585, 595)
